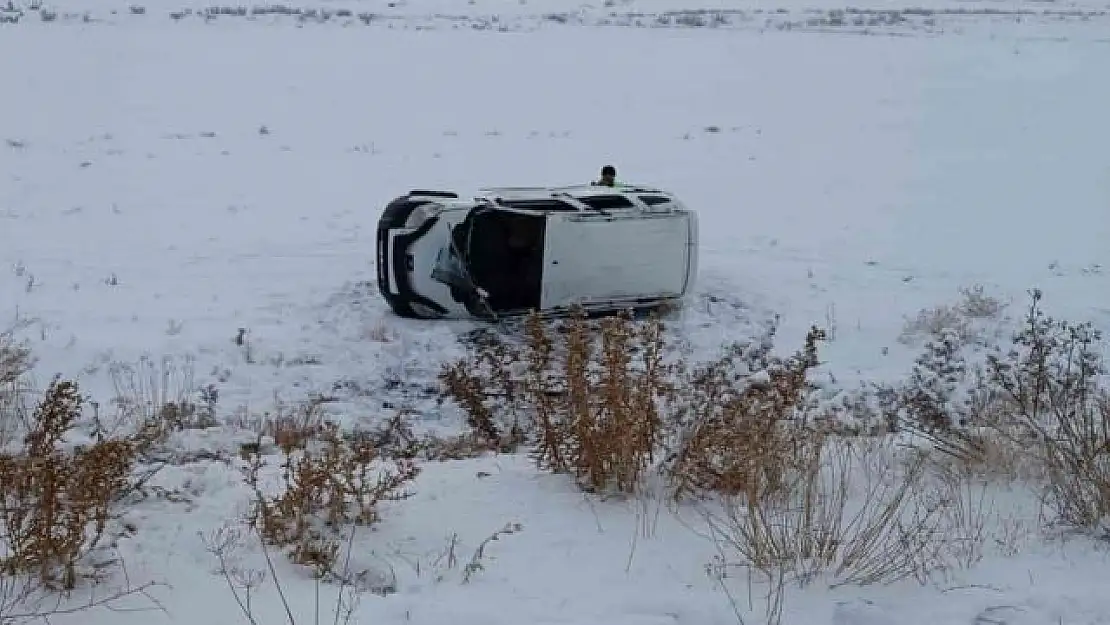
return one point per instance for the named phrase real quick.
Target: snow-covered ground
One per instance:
(169, 177)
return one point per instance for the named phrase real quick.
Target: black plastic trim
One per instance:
(450, 195)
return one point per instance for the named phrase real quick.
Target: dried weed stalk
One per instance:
(156, 400)
(846, 512)
(245, 583)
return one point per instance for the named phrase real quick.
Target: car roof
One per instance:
(521, 196)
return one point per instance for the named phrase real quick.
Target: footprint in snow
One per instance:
(860, 612)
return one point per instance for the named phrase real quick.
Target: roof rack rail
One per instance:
(427, 193)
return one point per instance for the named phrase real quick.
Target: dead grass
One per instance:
(845, 510)
(245, 583)
(1036, 411)
(155, 400)
(855, 511)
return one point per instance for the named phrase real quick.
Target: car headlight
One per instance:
(422, 214)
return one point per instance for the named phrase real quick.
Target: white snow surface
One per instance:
(166, 180)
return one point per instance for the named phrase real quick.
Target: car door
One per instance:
(594, 257)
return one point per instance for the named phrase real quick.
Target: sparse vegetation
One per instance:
(790, 490)
(804, 494)
(58, 498)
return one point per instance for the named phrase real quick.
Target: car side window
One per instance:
(654, 200)
(606, 202)
(540, 205)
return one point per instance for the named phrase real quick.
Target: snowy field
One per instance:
(174, 175)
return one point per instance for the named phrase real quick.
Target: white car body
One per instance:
(509, 251)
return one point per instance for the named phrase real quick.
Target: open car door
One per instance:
(494, 261)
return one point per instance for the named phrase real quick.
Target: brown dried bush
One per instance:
(489, 382)
(736, 420)
(585, 396)
(598, 400)
(57, 502)
(328, 482)
(599, 419)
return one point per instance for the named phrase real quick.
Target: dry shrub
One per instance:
(328, 482)
(1034, 410)
(331, 485)
(600, 419)
(586, 396)
(15, 362)
(598, 400)
(457, 447)
(845, 508)
(57, 499)
(988, 453)
(57, 502)
(156, 400)
(489, 381)
(851, 510)
(931, 322)
(958, 319)
(395, 438)
(976, 304)
(292, 427)
(1052, 399)
(733, 419)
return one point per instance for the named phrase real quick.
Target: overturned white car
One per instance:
(510, 251)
